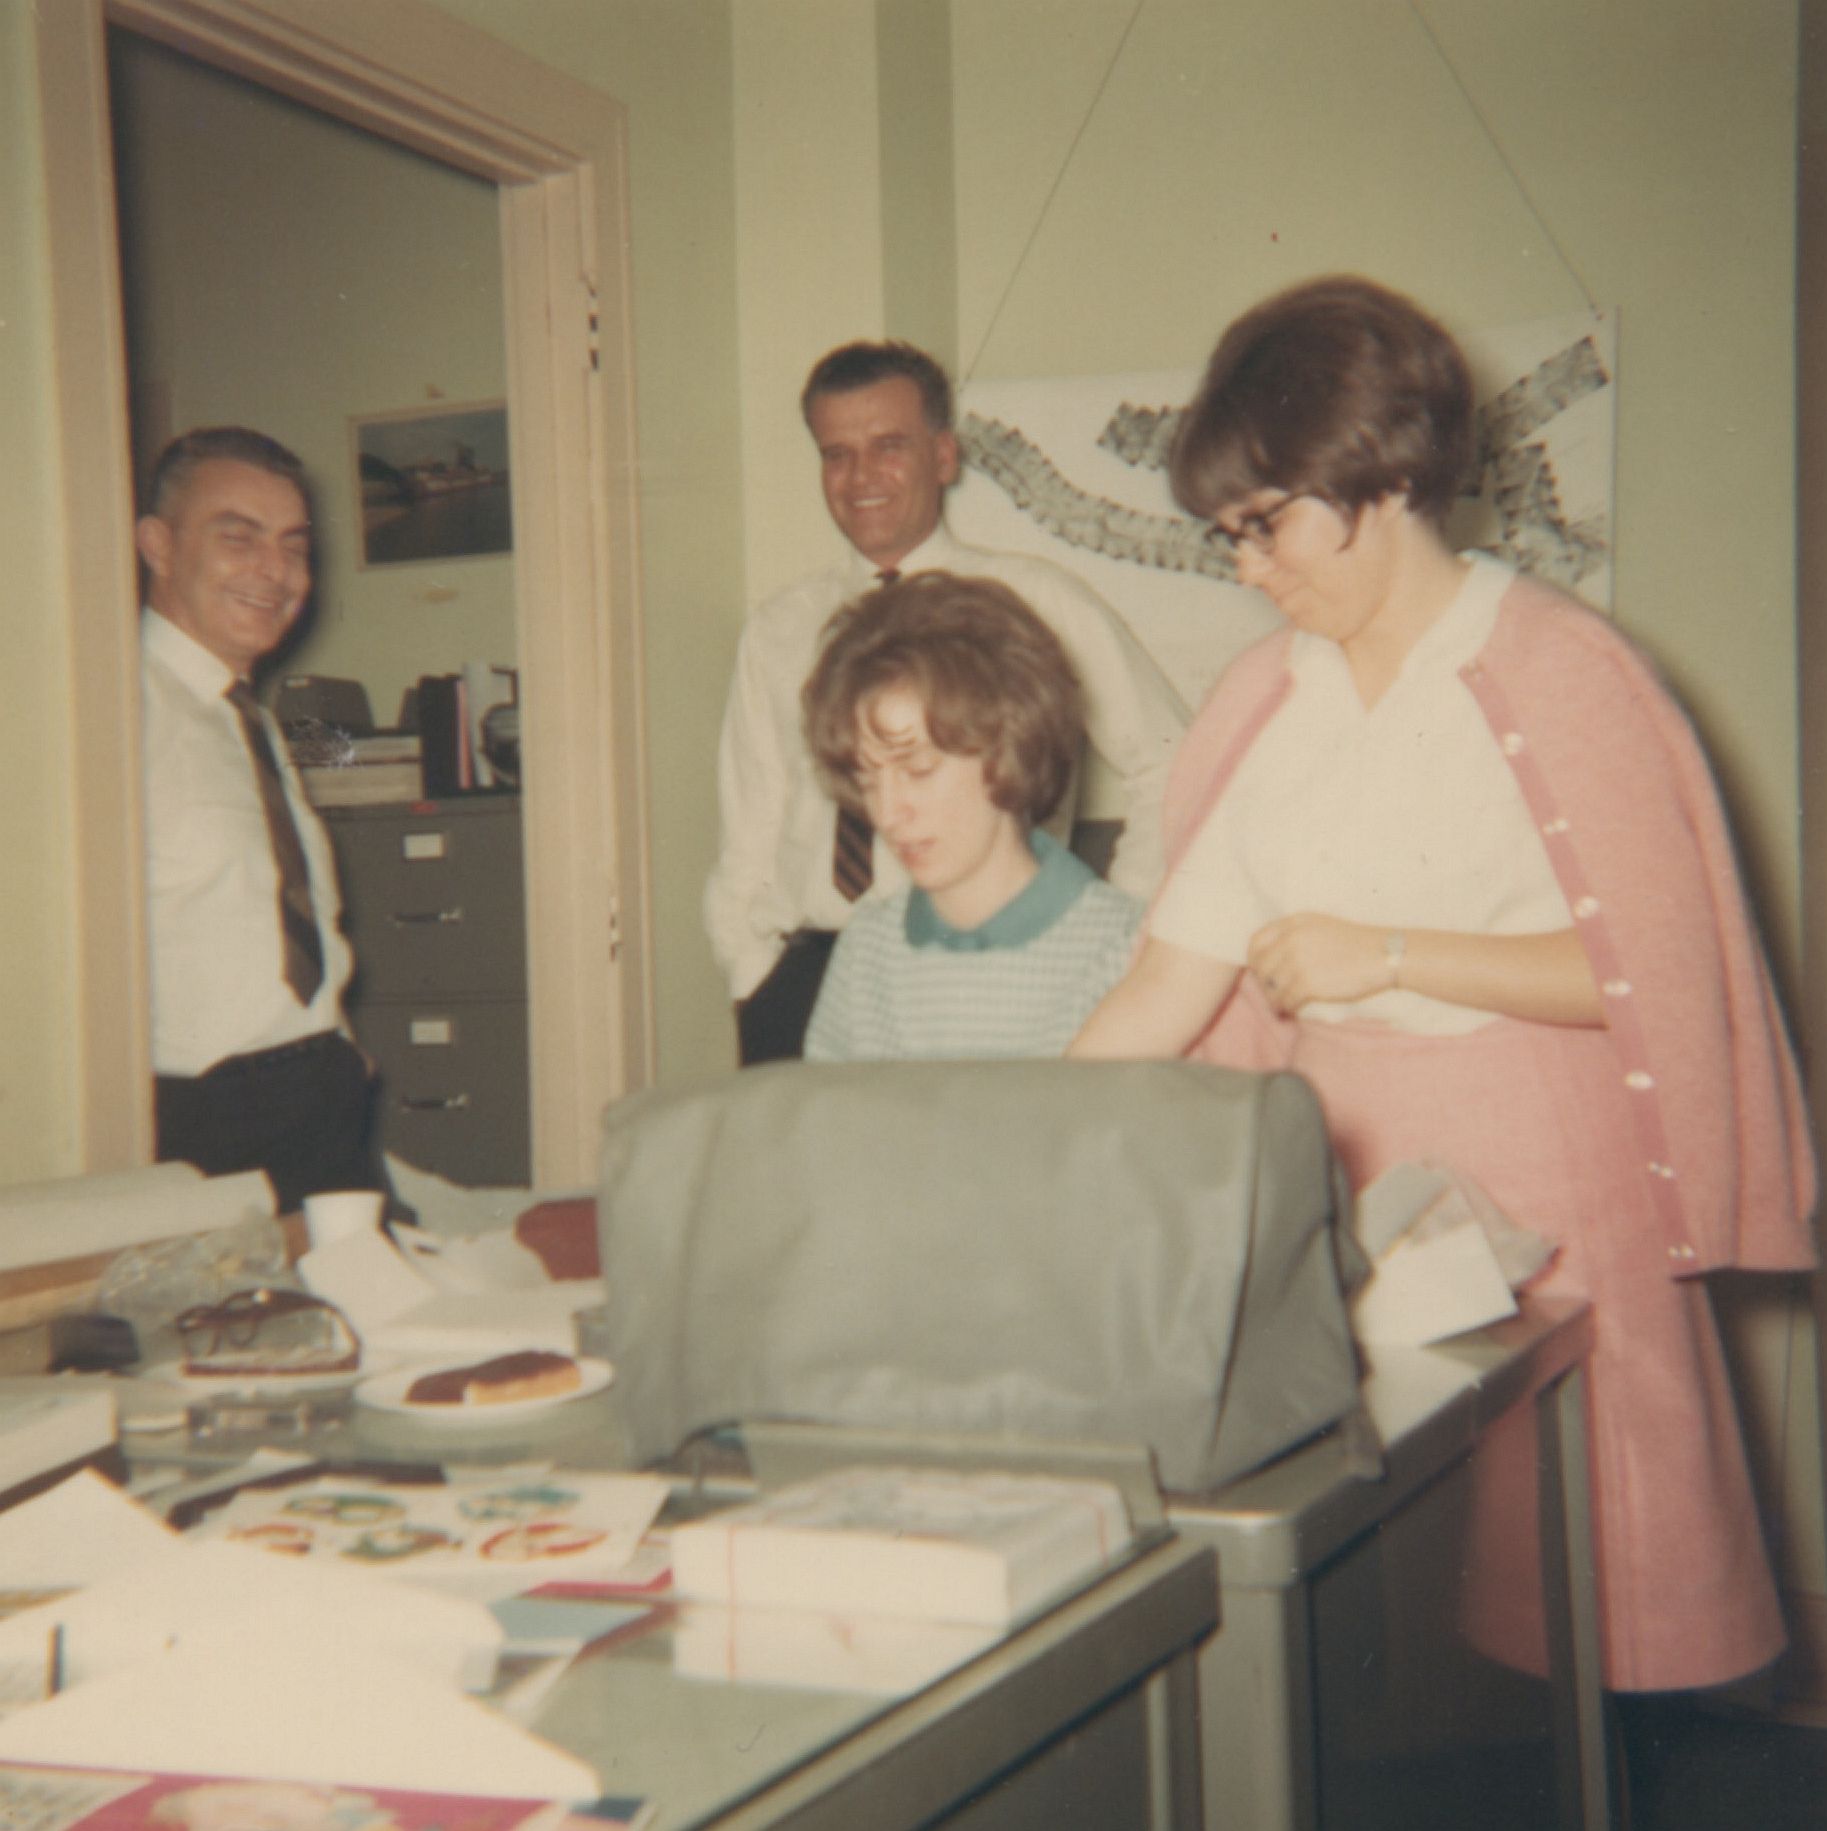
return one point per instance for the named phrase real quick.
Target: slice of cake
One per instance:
(529, 1373)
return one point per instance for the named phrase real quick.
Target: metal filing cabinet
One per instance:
(435, 907)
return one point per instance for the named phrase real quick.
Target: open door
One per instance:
(556, 151)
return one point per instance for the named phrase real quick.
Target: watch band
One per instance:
(1395, 950)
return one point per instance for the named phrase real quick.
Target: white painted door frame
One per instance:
(556, 150)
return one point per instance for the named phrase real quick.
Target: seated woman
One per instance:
(947, 711)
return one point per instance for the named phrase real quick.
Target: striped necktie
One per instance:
(304, 948)
(853, 851)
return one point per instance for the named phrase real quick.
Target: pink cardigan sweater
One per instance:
(1614, 777)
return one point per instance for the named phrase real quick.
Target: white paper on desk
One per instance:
(79, 1532)
(485, 1534)
(491, 1264)
(365, 1278)
(338, 1713)
(401, 1315)
(196, 1592)
(41, 1223)
(1423, 1291)
(1445, 1258)
(487, 1262)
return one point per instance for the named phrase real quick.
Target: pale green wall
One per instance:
(670, 63)
(286, 271)
(809, 246)
(1511, 162)
(38, 1043)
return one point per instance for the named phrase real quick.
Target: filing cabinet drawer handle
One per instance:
(426, 918)
(451, 1103)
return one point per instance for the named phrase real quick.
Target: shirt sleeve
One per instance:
(1133, 718)
(753, 786)
(1209, 905)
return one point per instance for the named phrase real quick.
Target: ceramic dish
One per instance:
(387, 1392)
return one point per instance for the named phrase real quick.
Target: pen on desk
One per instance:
(53, 1664)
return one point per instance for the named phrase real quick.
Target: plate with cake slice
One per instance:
(483, 1391)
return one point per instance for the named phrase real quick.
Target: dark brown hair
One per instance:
(180, 460)
(994, 680)
(1337, 388)
(862, 365)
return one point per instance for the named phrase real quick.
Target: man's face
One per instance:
(884, 468)
(230, 559)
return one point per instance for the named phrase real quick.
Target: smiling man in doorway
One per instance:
(254, 1069)
(789, 870)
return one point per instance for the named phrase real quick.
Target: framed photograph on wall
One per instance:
(432, 483)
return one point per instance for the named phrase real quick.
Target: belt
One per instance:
(258, 1061)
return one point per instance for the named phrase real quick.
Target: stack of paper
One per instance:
(338, 1712)
(46, 1423)
(940, 1545)
(879, 1655)
(1444, 1257)
(209, 1658)
(41, 1223)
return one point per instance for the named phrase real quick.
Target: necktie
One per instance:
(304, 951)
(853, 853)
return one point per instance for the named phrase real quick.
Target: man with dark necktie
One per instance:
(254, 1066)
(789, 871)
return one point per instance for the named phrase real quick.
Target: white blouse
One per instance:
(1400, 815)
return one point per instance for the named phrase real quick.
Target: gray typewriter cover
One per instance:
(1124, 1252)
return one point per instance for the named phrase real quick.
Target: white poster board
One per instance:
(1074, 469)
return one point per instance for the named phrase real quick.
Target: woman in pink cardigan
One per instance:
(1445, 845)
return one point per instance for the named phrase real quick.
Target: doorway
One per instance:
(556, 152)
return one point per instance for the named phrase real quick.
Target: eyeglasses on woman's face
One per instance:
(1257, 530)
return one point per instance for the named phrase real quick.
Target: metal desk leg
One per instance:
(1171, 1698)
(1256, 1713)
(1571, 1603)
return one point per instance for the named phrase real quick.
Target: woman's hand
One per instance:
(1544, 979)
(1301, 958)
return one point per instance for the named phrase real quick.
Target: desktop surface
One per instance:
(746, 1718)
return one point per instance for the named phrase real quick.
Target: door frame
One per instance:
(557, 152)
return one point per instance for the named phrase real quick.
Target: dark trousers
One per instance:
(771, 1021)
(302, 1113)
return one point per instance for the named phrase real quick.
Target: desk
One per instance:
(1085, 1715)
(1303, 1712)
(1339, 1691)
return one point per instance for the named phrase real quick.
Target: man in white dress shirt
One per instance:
(253, 1065)
(881, 417)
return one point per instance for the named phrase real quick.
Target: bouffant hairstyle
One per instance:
(994, 680)
(862, 365)
(180, 460)
(1337, 388)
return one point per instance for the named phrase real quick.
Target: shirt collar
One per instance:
(936, 553)
(1031, 911)
(206, 675)
(1450, 641)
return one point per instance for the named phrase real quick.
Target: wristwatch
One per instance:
(1395, 948)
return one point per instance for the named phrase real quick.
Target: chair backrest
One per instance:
(1138, 1252)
